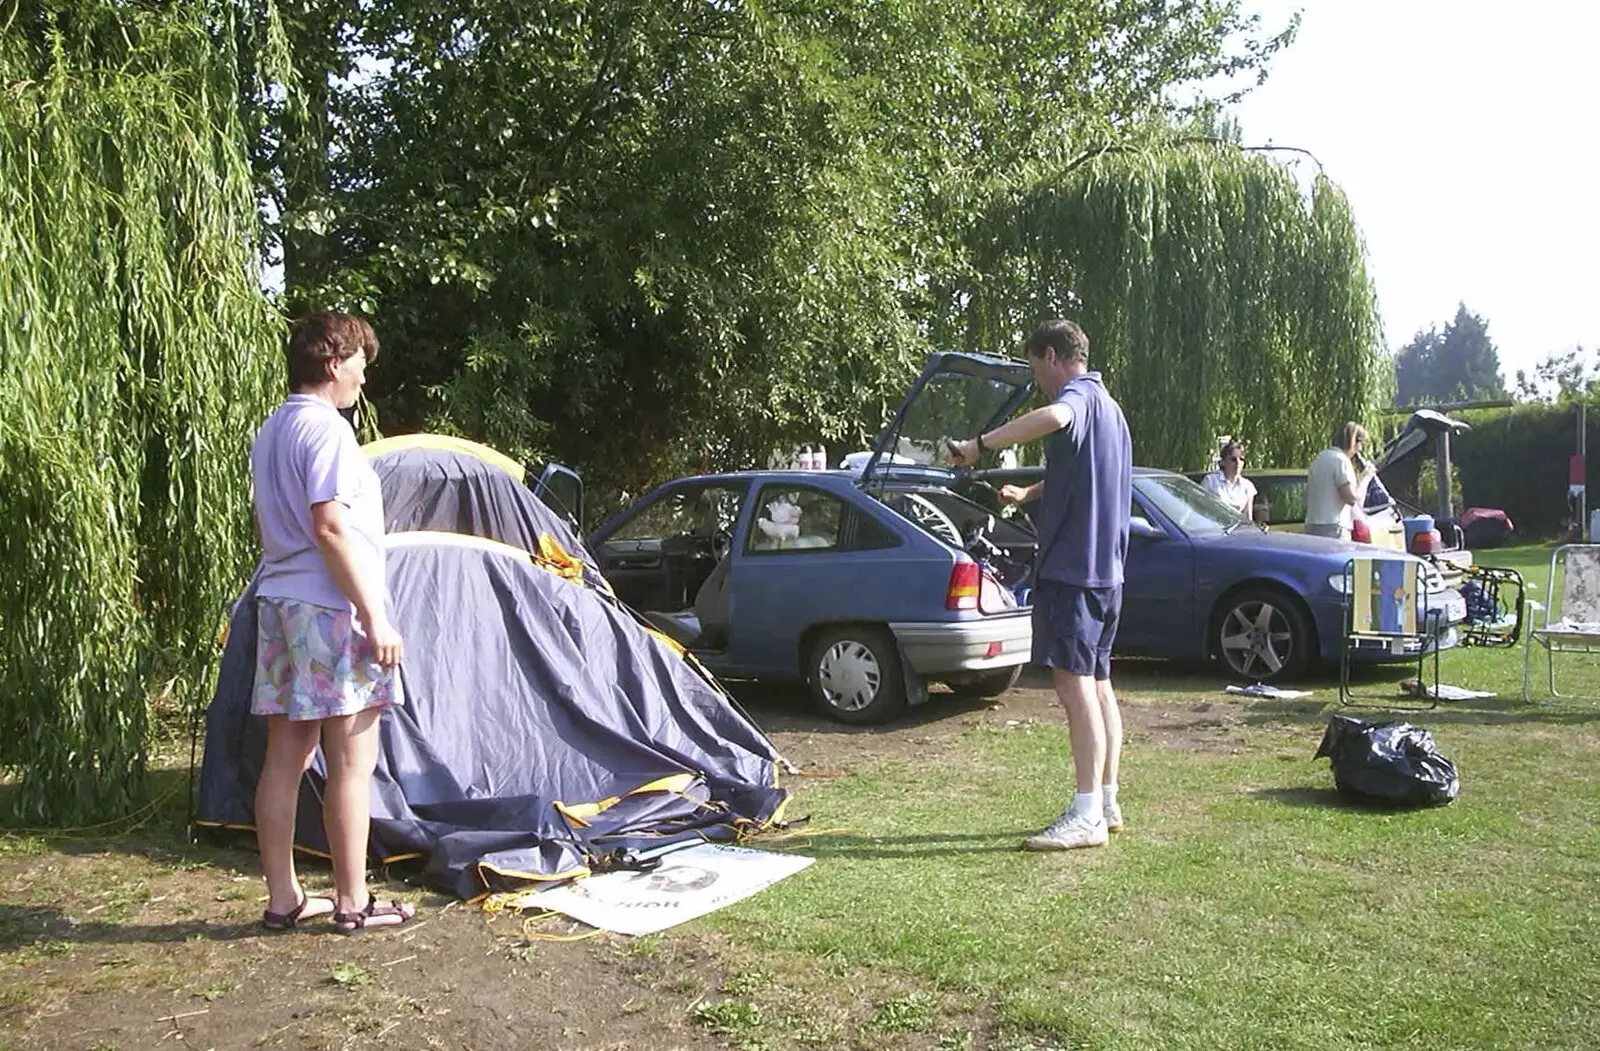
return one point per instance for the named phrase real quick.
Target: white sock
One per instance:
(1086, 804)
(1108, 793)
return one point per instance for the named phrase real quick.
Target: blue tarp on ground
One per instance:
(545, 727)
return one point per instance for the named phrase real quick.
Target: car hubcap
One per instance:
(1256, 639)
(849, 676)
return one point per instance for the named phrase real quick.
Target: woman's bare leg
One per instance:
(350, 746)
(290, 746)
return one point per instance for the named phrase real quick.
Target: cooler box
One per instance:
(1415, 525)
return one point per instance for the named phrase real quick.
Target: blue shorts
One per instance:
(1073, 627)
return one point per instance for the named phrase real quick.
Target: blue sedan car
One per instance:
(806, 575)
(870, 582)
(1204, 583)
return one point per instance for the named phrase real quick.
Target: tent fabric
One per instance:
(545, 727)
(462, 488)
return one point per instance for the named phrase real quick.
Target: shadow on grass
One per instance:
(22, 926)
(157, 830)
(1489, 711)
(901, 848)
(786, 708)
(1319, 799)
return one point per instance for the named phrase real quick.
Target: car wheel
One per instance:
(1262, 635)
(987, 684)
(855, 675)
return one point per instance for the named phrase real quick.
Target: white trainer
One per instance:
(1068, 833)
(1113, 814)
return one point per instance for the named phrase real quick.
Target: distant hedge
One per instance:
(1516, 459)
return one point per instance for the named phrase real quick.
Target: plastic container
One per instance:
(1415, 525)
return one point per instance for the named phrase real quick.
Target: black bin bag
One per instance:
(1387, 764)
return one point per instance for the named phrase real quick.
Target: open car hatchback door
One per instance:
(957, 396)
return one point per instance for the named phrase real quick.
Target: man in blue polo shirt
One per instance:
(1083, 537)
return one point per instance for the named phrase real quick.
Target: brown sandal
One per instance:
(356, 922)
(288, 921)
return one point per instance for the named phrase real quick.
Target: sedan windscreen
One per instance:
(1189, 507)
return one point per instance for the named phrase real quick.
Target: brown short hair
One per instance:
(1231, 444)
(1347, 434)
(323, 337)
(1062, 336)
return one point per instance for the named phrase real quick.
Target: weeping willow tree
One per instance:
(137, 355)
(1219, 297)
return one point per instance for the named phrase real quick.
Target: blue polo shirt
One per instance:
(1088, 490)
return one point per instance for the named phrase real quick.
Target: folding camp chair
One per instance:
(1386, 608)
(1495, 607)
(1573, 624)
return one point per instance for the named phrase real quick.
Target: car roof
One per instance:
(781, 474)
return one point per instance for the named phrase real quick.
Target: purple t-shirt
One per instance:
(1088, 490)
(305, 454)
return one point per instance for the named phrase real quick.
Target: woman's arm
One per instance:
(334, 541)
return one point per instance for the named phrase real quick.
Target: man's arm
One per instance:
(1019, 494)
(1025, 428)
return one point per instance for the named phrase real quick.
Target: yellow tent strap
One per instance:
(558, 560)
(498, 903)
(540, 936)
(580, 812)
(667, 640)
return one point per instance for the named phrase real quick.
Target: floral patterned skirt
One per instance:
(313, 662)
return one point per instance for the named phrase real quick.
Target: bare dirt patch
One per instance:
(145, 941)
(820, 747)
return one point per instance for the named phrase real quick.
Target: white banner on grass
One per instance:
(689, 883)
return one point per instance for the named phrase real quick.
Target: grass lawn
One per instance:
(1245, 907)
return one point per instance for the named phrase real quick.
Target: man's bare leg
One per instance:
(1083, 825)
(1111, 717)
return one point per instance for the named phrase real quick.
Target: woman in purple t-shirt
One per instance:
(327, 656)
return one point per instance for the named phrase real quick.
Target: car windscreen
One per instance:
(1187, 506)
(951, 405)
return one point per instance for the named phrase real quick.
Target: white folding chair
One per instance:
(1570, 625)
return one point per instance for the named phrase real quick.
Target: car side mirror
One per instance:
(1138, 525)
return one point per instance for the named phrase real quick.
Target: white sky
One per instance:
(1467, 137)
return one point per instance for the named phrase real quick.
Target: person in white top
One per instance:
(1229, 484)
(1334, 491)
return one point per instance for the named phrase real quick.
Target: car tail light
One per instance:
(965, 580)
(1360, 533)
(1426, 542)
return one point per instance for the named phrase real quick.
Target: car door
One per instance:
(806, 556)
(1158, 590)
(561, 490)
(657, 556)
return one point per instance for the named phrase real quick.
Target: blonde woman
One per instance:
(1334, 491)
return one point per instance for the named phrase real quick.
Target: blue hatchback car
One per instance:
(867, 584)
